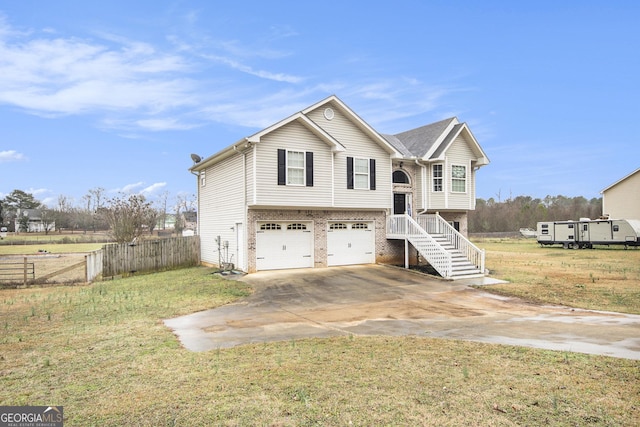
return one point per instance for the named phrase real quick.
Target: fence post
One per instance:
(25, 272)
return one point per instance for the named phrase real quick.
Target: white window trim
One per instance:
(466, 178)
(368, 162)
(441, 178)
(304, 168)
(203, 178)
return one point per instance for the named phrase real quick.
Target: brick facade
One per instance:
(387, 251)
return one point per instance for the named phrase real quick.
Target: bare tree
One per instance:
(94, 202)
(184, 203)
(525, 211)
(164, 197)
(127, 217)
(48, 219)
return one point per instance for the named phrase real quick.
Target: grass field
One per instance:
(103, 353)
(57, 248)
(606, 278)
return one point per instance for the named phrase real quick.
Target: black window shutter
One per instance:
(372, 174)
(309, 168)
(350, 173)
(282, 167)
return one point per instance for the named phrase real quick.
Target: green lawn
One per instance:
(103, 353)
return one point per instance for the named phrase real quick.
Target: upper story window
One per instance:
(295, 167)
(203, 178)
(437, 177)
(399, 177)
(458, 179)
(361, 173)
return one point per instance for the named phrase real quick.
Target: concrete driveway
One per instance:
(383, 300)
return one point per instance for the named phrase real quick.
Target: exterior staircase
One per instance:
(461, 266)
(451, 254)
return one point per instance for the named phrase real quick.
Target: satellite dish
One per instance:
(196, 158)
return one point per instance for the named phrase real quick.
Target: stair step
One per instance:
(461, 266)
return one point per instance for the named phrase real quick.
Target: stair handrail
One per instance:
(435, 254)
(441, 226)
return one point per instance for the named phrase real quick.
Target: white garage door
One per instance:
(350, 243)
(282, 245)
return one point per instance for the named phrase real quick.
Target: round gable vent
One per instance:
(328, 113)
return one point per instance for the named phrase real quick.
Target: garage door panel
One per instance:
(284, 245)
(350, 243)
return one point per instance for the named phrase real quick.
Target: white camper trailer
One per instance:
(585, 233)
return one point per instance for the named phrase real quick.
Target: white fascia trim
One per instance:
(454, 121)
(619, 181)
(482, 157)
(364, 126)
(305, 121)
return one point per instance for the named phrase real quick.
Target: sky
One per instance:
(118, 94)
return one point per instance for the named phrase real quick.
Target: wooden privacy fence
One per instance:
(93, 265)
(111, 260)
(150, 255)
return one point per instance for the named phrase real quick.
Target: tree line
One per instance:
(525, 212)
(123, 217)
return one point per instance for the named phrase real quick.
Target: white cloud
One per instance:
(128, 189)
(135, 188)
(131, 86)
(162, 124)
(153, 188)
(10, 156)
(278, 77)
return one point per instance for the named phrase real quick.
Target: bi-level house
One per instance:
(323, 188)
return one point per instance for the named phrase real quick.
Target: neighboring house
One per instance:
(323, 188)
(166, 221)
(621, 200)
(35, 222)
(190, 220)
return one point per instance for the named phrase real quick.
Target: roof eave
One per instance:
(620, 180)
(360, 123)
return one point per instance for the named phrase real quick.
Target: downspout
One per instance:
(243, 152)
(425, 186)
(197, 174)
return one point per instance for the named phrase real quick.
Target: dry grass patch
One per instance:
(54, 248)
(606, 278)
(103, 352)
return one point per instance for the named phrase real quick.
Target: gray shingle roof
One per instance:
(417, 142)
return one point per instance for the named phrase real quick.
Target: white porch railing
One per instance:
(435, 224)
(405, 227)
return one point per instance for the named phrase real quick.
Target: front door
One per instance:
(399, 203)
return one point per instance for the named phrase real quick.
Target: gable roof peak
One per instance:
(423, 140)
(620, 180)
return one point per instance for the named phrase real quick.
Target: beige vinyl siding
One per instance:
(622, 201)
(221, 206)
(436, 199)
(419, 187)
(293, 136)
(250, 172)
(357, 144)
(459, 153)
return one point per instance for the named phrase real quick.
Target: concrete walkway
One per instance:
(383, 300)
